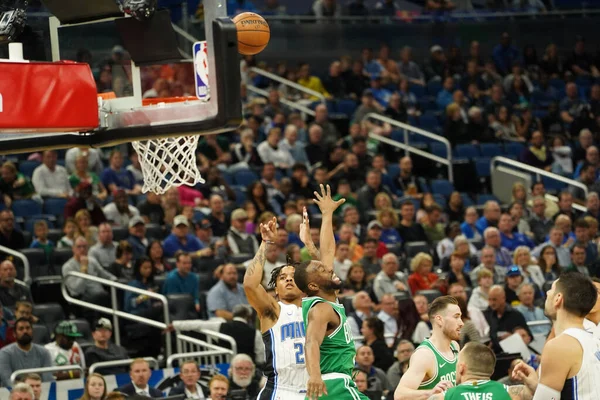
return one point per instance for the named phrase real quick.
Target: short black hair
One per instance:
(26, 320)
(299, 166)
(371, 240)
(407, 203)
(578, 245)
(579, 293)
(301, 276)
(580, 223)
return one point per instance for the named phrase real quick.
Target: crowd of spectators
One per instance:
(398, 245)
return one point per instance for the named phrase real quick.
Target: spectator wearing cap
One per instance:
(374, 231)
(119, 212)
(226, 294)
(104, 251)
(137, 237)
(10, 291)
(83, 199)
(204, 233)
(84, 289)
(64, 350)
(151, 209)
(116, 177)
(437, 66)
(182, 279)
(104, 350)
(181, 239)
(238, 240)
(514, 280)
(23, 354)
(50, 179)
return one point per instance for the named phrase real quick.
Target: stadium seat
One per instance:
(245, 177)
(26, 208)
(206, 264)
(240, 258)
(553, 185)
(30, 221)
(439, 149)
(514, 149)
(482, 167)
(433, 87)
(240, 196)
(49, 314)
(414, 248)
(482, 198)
(396, 249)
(54, 206)
(442, 186)
(417, 90)
(60, 257)
(347, 303)
(491, 150)
(159, 280)
(403, 295)
(27, 167)
(440, 200)
(155, 231)
(557, 84)
(467, 200)
(227, 177)
(206, 280)
(120, 233)
(38, 264)
(429, 121)
(430, 294)
(393, 170)
(398, 136)
(467, 151)
(181, 306)
(83, 326)
(41, 335)
(347, 107)
(55, 235)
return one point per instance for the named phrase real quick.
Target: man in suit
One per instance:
(190, 374)
(139, 372)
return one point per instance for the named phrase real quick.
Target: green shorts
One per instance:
(341, 387)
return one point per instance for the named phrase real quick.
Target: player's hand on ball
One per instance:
(442, 386)
(315, 388)
(325, 201)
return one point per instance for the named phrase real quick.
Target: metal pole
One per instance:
(53, 25)
(406, 152)
(185, 18)
(115, 306)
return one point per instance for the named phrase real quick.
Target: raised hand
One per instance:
(305, 227)
(325, 202)
(526, 374)
(268, 230)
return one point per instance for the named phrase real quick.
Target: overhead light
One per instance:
(139, 9)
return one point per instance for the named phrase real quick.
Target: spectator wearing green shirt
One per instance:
(83, 174)
(40, 230)
(343, 191)
(14, 185)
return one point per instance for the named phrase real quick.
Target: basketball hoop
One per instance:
(169, 161)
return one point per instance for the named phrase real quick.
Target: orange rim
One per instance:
(154, 101)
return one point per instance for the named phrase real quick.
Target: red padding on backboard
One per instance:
(37, 97)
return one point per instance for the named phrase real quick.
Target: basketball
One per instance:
(253, 33)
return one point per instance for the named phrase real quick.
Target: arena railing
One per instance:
(288, 83)
(153, 362)
(218, 355)
(40, 371)
(537, 172)
(447, 161)
(114, 310)
(24, 260)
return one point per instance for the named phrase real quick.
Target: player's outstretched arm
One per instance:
(318, 318)
(327, 206)
(305, 237)
(420, 363)
(259, 299)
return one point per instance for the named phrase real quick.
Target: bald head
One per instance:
(497, 298)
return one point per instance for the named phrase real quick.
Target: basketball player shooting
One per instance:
(474, 369)
(432, 367)
(280, 321)
(570, 365)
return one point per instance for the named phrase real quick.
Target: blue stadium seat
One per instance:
(54, 206)
(541, 99)
(412, 120)
(467, 200)
(417, 90)
(439, 149)
(513, 149)
(30, 221)
(398, 136)
(26, 208)
(540, 113)
(482, 167)
(557, 83)
(491, 149)
(244, 177)
(227, 177)
(240, 196)
(27, 167)
(468, 151)
(347, 107)
(442, 186)
(433, 87)
(440, 200)
(429, 121)
(553, 185)
(393, 170)
(482, 198)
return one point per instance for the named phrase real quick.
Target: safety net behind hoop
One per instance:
(169, 161)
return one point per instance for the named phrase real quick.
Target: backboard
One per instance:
(125, 119)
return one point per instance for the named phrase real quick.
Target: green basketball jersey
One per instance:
(478, 390)
(337, 349)
(445, 370)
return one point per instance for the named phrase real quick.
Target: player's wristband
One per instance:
(269, 241)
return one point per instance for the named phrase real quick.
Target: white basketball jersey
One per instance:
(284, 347)
(584, 385)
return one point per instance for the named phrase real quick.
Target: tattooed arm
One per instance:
(519, 392)
(306, 239)
(265, 305)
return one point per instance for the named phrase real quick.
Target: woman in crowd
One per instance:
(83, 174)
(292, 226)
(122, 268)
(468, 227)
(251, 226)
(95, 388)
(532, 273)
(548, 263)
(422, 278)
(519, 193)
(257, 194)
(372, 331)
(389, 221)
(517, 211)
(83, 220)
(469, 332)
(426, 201)
(156, 254)
(410, 325)
(457, 273)
(504, 126)
(293, 253)
(356, 280)
(382, 201)
(479, 296)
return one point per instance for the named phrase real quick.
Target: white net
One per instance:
(168, 162)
